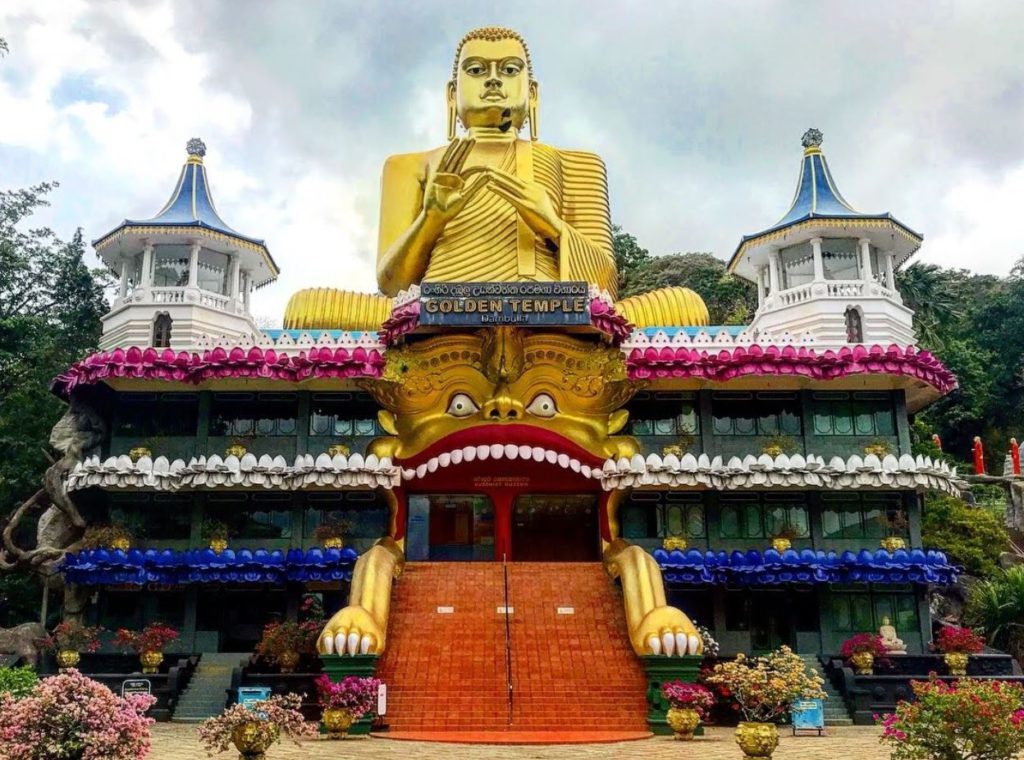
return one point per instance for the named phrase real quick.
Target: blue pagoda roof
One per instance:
(191, 206)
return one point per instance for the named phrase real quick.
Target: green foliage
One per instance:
(629, 256)
(996, 606)
(970, 536)
(17, 682)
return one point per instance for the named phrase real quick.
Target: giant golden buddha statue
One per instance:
(489, 206)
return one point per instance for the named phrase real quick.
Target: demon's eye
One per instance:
(462, 405)
(542, 406)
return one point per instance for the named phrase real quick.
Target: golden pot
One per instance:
(218, 544)
(863, 663)
(672, 449)
(892, 543)
(123, 543)
(235, 450)
(151, 661)
(252, 740)
(683, 721)
(67, 658)
(878, 449)
(287, 661)
(781, 544)
(671, 543)
(957, 663)
(337, 721)
(334, 542)
(773, 451)
(757, 740)
(138, 452)
(338, 448)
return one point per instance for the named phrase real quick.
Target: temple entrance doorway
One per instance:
(555, 528)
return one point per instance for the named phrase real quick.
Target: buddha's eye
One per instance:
(462, 405)
(542, 406)
(474, 69)
(511, 69)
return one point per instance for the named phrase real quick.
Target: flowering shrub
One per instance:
(71, 717)
(271, 718)
(690, 696)
(710, 644)
(864, 643)
(153, 638)
(352, 693)
(281, 638)
(954, 639)
(73, 636)
(18, 682)
(982, 720)
(766, 686)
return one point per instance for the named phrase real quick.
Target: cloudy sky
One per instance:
(697, 109)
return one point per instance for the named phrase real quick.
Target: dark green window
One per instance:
(863, 414)
(252, 516)
(156, 516)
(246, 415)
(141, 415)
(870, 515)
(664, 414)
(343, 415)
(650, 514)
(365, 512)
(863, 612)
(749, 516)
(764, 414)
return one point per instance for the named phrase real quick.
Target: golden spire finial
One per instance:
(491, 34)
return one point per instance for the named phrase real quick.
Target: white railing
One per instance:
(845, 288)
(167, 295)
(795, 295)
(214, 300)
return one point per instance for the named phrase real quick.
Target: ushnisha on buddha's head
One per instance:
(492, 84)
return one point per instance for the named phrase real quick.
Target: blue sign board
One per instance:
(481, 304)
(249, 695)
(808, 715)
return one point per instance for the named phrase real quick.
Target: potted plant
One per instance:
(237, 448)
(957, 645)
(688, 704)
(783, 539)
(674, 543)
(216, 533)
(862, 651)
(764, 688)
(69, 639)
(69, 716)
(338, 448)
(284, 642)
(253, 728)
(878, 447)
(778, 445)
(331, 533)
(148, 644)
(345, 702)
(107, 537)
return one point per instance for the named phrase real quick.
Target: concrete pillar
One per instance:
(819, 265)
(246, 287)
(890, 275)
(125, 265)
(147, 266)
(865, 259)
(193, 265)
(774, 282)
(236, 268)
(760, 286)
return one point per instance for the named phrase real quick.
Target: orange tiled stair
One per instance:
(570, 672)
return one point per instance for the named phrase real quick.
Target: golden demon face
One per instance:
(504, 385)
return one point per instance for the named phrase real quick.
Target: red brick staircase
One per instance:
(573, 669)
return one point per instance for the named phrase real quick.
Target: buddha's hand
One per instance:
(531, 200)
(352, 630)
(447, 192)
(667, 630)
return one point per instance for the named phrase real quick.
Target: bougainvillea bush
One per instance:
(352, 693)
(766, 686)
(953, 639)
(688, 696)
(72, 636)
(271, 718)
(865, 642)
(71, 717)
(288, 636)
(155, 637)
(965, 720)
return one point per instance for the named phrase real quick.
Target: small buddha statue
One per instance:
(892, 643)
(489, 206)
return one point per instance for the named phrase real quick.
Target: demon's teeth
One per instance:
(432, 464)
(574, 465)
(483, 452)
(408, 474)
(538, 454)
(551, 456)
(497, 451)
(469, 453)
(563, 461)
(421, 471)
(444, 459)
(585, 471)
(511, 451)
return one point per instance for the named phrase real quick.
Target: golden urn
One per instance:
(683, 721)
(334, 542)
(863, 663)
(252, 740)
(138, 452)
(892, 544)
(781, 544)
(338, 448)
(673, 543)
(757, 740)
(235, 450)
(151, 661)
(218, 544)
(67, 658)
(957, 663)
(123, 543)
(337, 721)
(287, 661)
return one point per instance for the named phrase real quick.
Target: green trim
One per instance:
(338, 667)
(659, 670)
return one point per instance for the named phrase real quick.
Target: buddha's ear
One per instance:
(387, 421)
(532, 109)
(617, 420)
(453, 115)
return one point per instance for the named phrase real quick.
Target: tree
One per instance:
(930, 291)
(629, 256)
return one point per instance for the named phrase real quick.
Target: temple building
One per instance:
(543, 487)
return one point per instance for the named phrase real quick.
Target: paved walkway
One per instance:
(178, 742)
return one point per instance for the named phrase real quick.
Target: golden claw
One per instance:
(667, 630)
(352, 630)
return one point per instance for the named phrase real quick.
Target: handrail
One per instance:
(508, 641)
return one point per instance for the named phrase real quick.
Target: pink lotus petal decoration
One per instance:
(220, 362)
(681, 362)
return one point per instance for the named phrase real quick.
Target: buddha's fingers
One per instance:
(474, 187)
(462, 154)
(442, 165)
(506, 179)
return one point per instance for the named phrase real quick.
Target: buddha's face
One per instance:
(551, 392)
(493, 87)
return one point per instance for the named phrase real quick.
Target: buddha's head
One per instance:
(556, 392)
(492, 82)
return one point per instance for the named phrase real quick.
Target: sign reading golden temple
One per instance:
(504, 303)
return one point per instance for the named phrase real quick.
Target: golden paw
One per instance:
(351, 631)
(667, 630)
